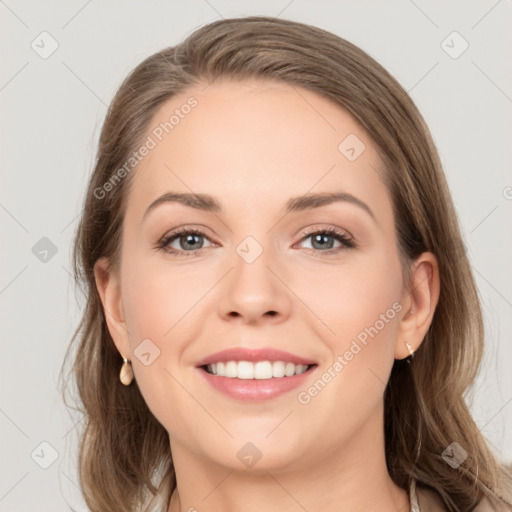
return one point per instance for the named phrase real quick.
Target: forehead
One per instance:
(254, 141)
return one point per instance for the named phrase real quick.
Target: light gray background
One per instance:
(52, 110)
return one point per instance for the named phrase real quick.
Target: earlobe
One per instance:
(420, 300)
(107, 283)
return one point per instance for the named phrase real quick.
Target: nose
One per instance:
(256, 292)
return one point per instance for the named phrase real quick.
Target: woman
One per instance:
(311, 348)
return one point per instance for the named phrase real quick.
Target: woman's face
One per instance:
(262, 274)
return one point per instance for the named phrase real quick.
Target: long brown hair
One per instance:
(122, 444)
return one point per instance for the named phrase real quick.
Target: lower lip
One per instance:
(255, 389)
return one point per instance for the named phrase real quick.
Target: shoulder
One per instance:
(492, 505)
(429, 501)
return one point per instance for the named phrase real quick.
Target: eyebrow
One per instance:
(208, 203)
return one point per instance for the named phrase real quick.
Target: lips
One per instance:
(254, 355)
(244, 386)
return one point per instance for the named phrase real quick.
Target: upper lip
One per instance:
(253, 355)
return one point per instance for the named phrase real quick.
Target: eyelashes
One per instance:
(319, 235)
(347, 241)
(184, 233)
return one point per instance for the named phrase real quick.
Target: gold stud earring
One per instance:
(126, 374)
(411, 350)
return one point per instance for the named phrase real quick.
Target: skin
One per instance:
(253, 145)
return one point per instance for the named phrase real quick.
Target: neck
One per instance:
(353, 477)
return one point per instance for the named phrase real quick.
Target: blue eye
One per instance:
(322, 237)
(185, 237)
(191, 241)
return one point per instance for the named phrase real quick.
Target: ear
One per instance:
(419, 301)
(109, 289)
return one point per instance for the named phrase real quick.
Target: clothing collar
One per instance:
(413, 497)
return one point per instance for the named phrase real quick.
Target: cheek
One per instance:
(158, 297)
(160, 316)
(350, 299)
(361, 307)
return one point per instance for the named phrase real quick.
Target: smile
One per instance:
(255, 374)
(261, 370)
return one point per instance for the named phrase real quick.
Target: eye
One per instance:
(322, 240)
(189, 242)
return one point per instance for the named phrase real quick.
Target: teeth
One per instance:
(260, 370)
(289, 369)
(245, 370)
(278, 369)
(230, 369)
